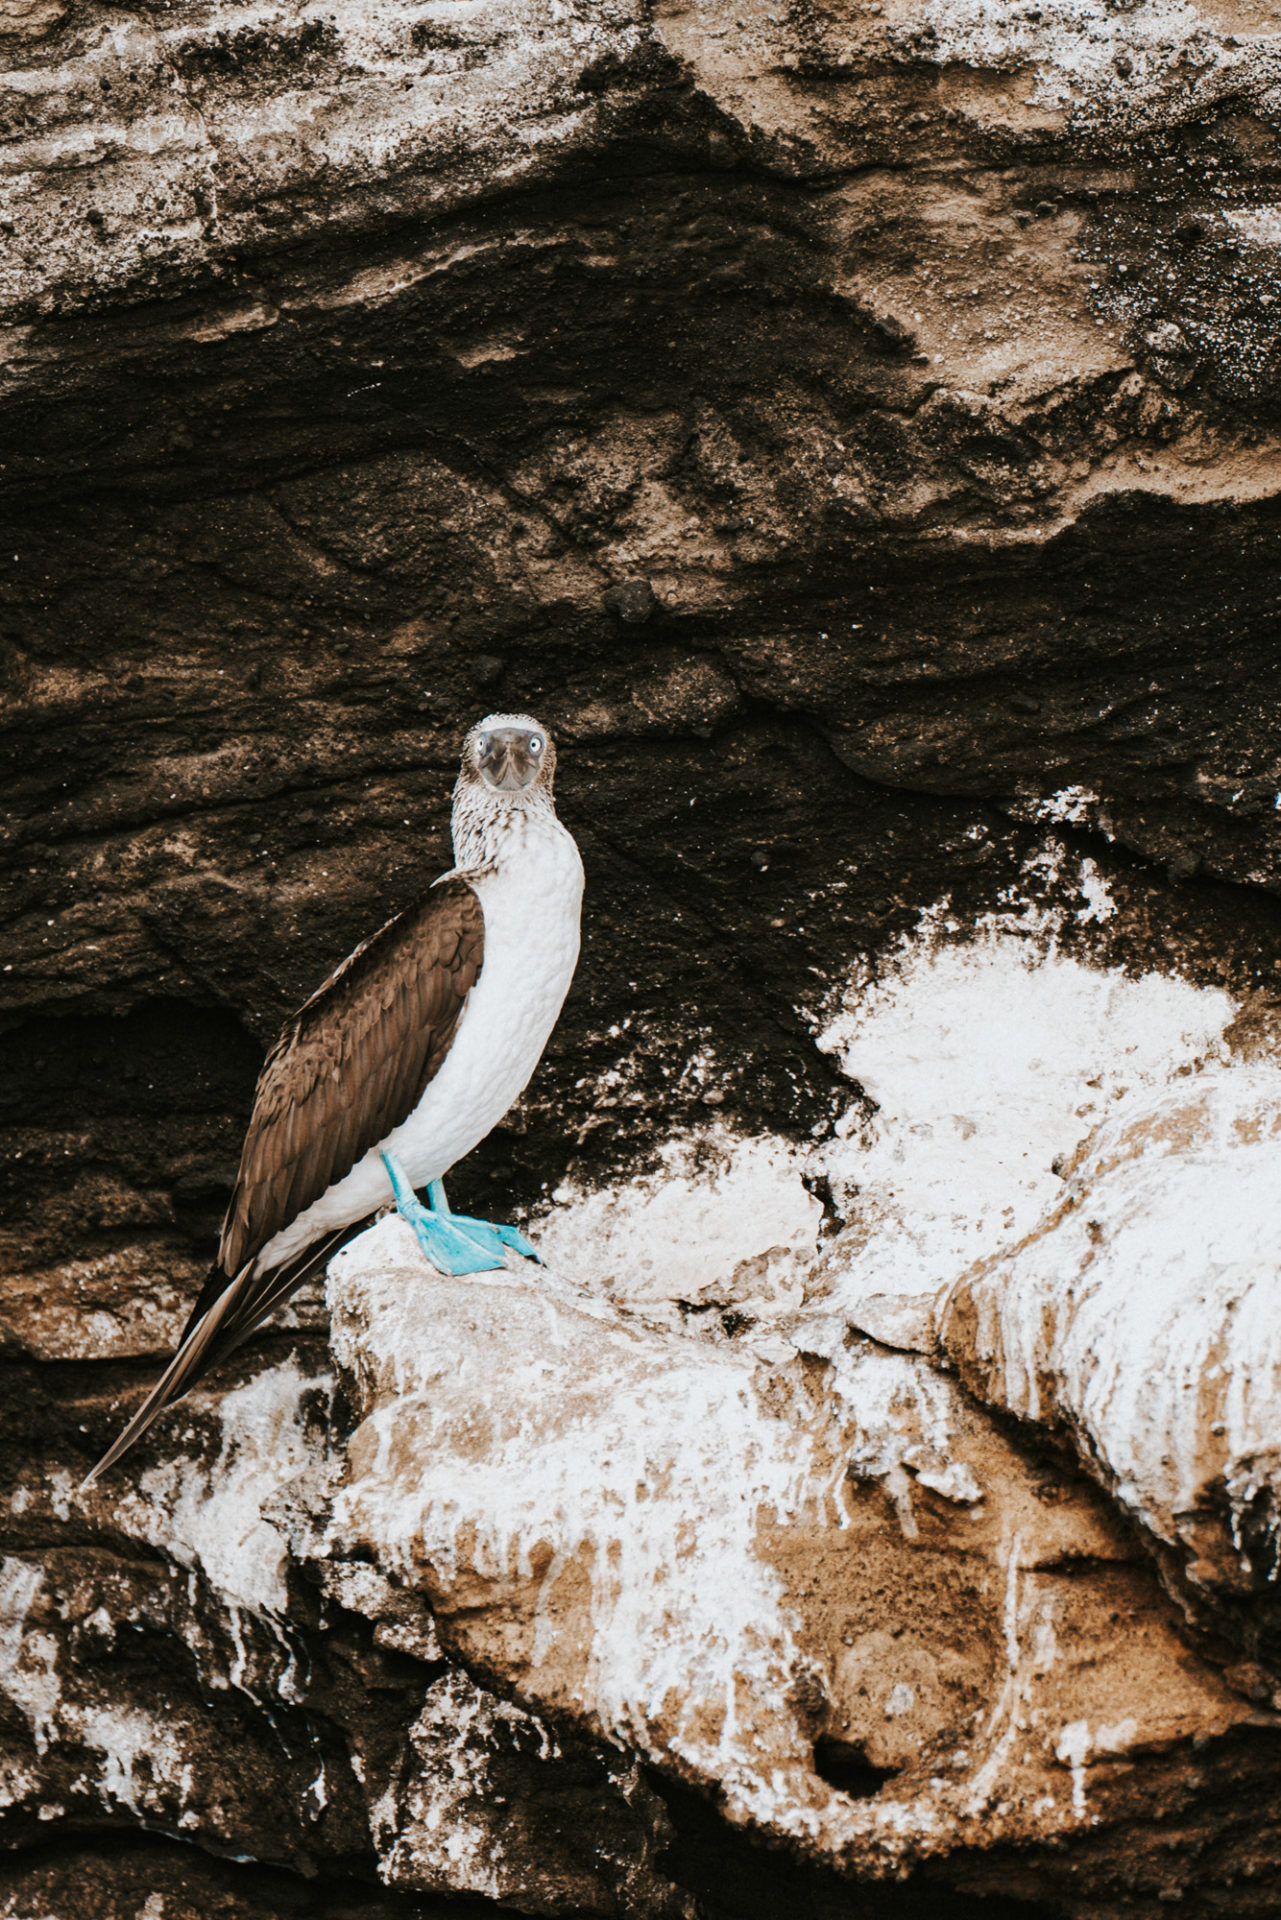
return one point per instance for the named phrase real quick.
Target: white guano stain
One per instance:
(591, 1442)
(1144, 1312)
(209, 1518)
(599, 1466)
(145, 1763)
(1073, 1750)
(590, 1483)
(1073, 805)
(721, 1218)
(443, 1824)
(1261, 226)
(991, 1062)
(28, 1657)
(123, 1736)
(1071, 47)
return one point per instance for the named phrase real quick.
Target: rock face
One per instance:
(799, 1565)
(817, 1584)
(1158, 1353)
(855, 432)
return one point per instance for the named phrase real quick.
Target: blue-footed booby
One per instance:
(408, 1055)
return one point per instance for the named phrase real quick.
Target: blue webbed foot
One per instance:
(453, 1242)
(487, 1232)
(446, 1246)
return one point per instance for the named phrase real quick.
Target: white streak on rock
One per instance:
(443, 1824)
(1143, 1313)
(1073, 1750)
(1260, 225)
(211, 1518)
(501, 1452)
(1071, 47)
(723, 1220)
(124, 1736)
(28, 1670)
(1073, 805)
(990, 1063)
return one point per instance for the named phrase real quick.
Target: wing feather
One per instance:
(351, 1065)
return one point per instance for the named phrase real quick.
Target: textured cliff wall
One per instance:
(855, 432)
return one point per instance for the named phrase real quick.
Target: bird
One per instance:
(407, 1056)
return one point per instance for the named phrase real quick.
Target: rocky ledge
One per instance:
(908, 1495)
(698, 1504)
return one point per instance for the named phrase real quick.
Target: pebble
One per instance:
(632, 600)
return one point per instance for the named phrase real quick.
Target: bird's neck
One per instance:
(489, 827)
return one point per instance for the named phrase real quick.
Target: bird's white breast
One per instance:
(531, 898)
(531, 902)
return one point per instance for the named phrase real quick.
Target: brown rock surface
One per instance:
(673, 1542)
(1158, 1353)
(855, 430)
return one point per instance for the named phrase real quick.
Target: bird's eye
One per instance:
(535, 743)
(482, 745)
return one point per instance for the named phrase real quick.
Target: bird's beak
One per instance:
(507, 762)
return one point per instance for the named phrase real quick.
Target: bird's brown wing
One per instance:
(351, 1065)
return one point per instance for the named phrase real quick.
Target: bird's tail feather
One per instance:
(175, 1379)
(237, 1311)
(278, 1294)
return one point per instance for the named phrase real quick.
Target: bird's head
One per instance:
(509, 753)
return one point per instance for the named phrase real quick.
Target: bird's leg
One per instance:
(441, 1236)
(454, 1242)
(486, 1231)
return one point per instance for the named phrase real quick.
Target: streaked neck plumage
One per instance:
(488, 826)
